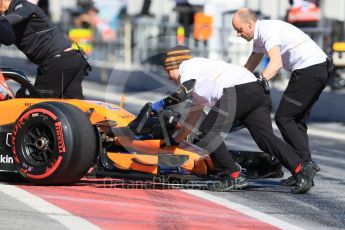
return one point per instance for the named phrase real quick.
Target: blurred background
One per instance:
(126, 41)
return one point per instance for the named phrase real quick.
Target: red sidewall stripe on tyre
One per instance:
(38, 110)
(60, 137)
(49, 170)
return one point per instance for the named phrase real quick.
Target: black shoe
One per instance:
(311, 168)
(229, 185)
(290, 181)
(305, 178)
(303, 184)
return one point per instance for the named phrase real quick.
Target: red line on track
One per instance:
(110, 207)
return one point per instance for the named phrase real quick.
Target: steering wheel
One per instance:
(26, 88)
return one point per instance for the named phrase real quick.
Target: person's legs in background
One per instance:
(219, 121)
(305, 87)
(61, 77)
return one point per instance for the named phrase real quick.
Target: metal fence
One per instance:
(144, 41)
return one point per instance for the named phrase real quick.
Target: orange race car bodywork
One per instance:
(147, 151)
(124, 153)
(58, 141)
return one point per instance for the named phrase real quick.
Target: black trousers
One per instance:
(61, 76)
(303, 90)
(249, 104)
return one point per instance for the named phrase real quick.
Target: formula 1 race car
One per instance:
(57, 141)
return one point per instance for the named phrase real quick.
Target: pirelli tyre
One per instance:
(53, 143)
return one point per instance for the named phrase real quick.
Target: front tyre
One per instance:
(53, 143)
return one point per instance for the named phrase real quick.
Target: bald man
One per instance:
(289, 48)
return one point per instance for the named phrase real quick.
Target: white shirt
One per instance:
(297, 49)
(212, 76)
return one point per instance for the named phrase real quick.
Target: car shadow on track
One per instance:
(12, 178)
(260, 185)
(268, 185)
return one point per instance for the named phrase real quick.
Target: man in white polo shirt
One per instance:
(289, 48)
(233, 93)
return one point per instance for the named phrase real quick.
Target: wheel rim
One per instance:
(38, 144)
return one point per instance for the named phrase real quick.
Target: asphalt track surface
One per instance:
(107, 204)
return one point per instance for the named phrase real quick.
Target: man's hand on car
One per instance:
(157, 106)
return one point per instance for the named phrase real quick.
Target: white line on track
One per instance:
(326, 134)
(243, 209)
(321, 133)
(63, 217)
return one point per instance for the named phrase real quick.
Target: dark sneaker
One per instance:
(290, 181)
(235, 184)
(311, 168)
(305, 178)
(303, 184)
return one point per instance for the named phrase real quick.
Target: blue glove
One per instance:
(157, 106)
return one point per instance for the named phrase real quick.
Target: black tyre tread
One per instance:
(83, 143)
(85, 139)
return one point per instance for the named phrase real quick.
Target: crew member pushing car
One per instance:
(290, 48)
(233, 93)
(60, 68)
